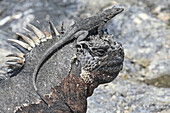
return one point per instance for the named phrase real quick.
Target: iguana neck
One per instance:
(70, 96)
(73, 91)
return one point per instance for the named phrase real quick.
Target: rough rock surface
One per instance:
(144, 31)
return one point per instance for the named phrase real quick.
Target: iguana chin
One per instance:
(68, 77)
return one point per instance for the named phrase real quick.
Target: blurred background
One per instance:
(143, 86)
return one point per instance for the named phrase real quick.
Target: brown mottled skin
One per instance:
(69, 97)
(65, 98)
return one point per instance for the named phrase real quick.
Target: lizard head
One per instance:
(110, 13)
(101, 59)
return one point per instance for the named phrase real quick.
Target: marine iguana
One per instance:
(98, 61)
(79, 30)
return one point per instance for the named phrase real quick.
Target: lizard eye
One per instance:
(100, 52)
(118, 9)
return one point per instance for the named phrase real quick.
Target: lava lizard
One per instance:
(80, 31)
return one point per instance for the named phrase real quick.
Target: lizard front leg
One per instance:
(80, 36)
(102, 29)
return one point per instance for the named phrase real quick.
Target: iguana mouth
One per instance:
(112, 63)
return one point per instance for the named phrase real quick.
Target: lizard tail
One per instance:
(43, 99)
(41, 62)
(34, 81)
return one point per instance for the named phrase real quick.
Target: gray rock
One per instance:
(128, 96)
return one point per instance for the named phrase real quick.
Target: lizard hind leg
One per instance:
(101, 29)
(81, 35)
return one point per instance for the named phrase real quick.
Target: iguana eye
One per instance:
(98, 51)
(101, 52)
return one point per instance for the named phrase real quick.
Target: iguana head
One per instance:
(101, 59)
